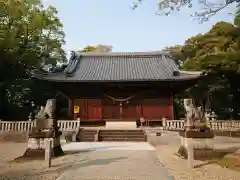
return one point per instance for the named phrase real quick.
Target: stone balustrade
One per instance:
(64, 125)
(173, 124)
(69, 125)
(225, 125)
(217, 125)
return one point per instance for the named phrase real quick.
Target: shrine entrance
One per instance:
(124, 108)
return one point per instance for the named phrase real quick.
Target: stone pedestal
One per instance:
(37, 139)
(36, 147)
(201, 142)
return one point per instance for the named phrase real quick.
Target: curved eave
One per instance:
(62, 77)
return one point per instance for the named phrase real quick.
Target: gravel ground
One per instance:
(9, 170)
(168, 144)
(9, 151)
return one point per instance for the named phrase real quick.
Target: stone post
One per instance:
(190, 154)
(164, 122)
(96, 136)
(48, 152)
(142, 120)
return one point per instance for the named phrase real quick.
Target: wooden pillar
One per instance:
(171, 107)
(70, 108)
(2, 98)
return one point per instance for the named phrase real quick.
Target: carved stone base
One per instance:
(201, 142)
(36, 147)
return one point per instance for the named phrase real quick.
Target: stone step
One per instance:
(123, 139)
(87, 132)
(121, 135)
(121, 132)
(112, 135)
(86, 138)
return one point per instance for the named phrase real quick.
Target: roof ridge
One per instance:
(150, 53)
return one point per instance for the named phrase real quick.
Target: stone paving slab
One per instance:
(107, 146)
(115, 165)
(113, 161)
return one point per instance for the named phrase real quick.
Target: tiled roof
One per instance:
(137, 66)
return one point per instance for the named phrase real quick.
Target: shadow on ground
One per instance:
(22, 159)
(57, 170)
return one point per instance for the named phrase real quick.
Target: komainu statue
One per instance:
(48, 110)
(45, 129)
(194, 116)
(45, 118)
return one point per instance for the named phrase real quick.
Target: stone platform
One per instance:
(120, 125)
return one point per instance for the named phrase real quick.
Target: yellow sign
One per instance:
(76, 109)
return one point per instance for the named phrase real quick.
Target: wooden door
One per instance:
(94, 109)
(156, 108)
(130, 110)
(110, 109)
(82, 109)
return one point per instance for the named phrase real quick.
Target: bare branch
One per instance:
(209, 8)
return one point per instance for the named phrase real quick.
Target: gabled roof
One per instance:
(115, 67)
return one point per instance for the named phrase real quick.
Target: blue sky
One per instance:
(113, 22)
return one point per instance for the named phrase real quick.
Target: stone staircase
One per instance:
(122, 135)
(91, 135)
(87, 135)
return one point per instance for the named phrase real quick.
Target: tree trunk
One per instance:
(2, 99)
(235, 87)
(235, 101)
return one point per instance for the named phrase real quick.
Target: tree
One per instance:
(208, 8)
(97, 48)
(218, 53)
(216, 50)
(237, 18)
(31, 37)
(176, 54)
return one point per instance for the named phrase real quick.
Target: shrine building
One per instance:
(120, 86)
